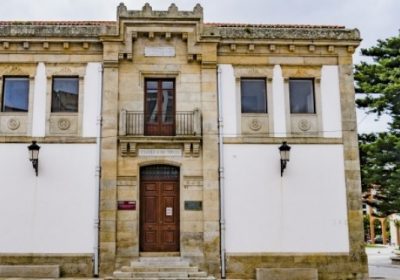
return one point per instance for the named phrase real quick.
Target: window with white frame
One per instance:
(15, 94)
(253, 95)
(302, 97)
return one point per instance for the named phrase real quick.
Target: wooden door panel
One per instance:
(151, 207)
(159, 216)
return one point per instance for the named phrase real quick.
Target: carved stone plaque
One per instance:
(159, 51)
(160, 152)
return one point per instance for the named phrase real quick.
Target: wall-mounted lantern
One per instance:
(34, 155)
(284, 151)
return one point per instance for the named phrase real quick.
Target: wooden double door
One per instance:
(159, 209)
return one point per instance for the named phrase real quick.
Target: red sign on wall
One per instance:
(126, 205)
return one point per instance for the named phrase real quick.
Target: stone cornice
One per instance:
(51, 30)
(273, 33)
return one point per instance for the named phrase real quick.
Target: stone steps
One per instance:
(156, 268)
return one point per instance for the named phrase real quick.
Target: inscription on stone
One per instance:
(193, 205)
(160, 152)
(159, 51)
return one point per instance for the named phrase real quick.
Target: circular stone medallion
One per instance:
(13, 124)
(64, 124)
(304, 125)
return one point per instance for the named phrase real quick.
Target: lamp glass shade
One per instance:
(33, 151)
(284, 151)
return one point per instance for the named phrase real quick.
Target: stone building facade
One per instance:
(159, 100)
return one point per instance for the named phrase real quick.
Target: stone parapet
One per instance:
(70, 265)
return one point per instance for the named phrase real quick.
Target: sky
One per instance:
(376, 19)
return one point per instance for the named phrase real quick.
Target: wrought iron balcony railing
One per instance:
(180, 124)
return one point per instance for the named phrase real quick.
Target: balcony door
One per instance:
(159, 107)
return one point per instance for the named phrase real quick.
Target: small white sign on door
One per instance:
(168, 211)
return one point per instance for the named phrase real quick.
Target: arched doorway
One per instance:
(159, 208)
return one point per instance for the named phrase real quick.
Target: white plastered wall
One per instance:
(330, 101)
(92, 97)
(229, 97)
(51, 213)
(304, 211)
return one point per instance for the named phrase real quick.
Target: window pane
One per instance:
(16, 94)
(167, 106)
(65, 95)
(253, 96)
(151, 106)
(151, 84)
(167, 84)
(301, 96)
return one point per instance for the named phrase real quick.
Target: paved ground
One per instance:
(380, 265)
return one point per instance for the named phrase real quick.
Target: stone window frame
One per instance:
(303, 124)
(265, 94)
(17, 123)
(64, 123)
(76, 78)
(254, 123)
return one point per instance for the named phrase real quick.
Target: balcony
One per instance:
(138, 130)
(139, 124)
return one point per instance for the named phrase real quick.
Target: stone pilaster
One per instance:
(210, 159)
(109, 152)
(352, 164)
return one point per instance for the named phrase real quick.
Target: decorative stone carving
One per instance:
(196, 149)
(198, 10)
(255, 124)
(14, 70)
(311, 48)
(128, 149)
(63, 71)
(25, 45)
(193, 182)
(63, 124)
(304, 125)
(13, 124)
(173, 9)
(350, 49)
(147, 10)
(186, 149)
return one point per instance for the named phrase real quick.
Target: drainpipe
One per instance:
(98, 180)
(221, 175)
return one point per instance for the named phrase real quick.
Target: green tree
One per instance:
(380, 154)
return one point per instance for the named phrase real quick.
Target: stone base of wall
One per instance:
(71, 265)
(329, 266)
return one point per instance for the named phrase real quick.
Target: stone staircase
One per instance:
(156, 268)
